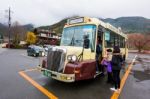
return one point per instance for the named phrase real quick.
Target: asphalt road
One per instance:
(138, 83)
(14, 86)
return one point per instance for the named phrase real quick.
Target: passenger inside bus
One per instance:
(86, 41)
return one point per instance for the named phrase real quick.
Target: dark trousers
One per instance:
(110, 78)
(116, 78)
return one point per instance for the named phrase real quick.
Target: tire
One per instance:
(37, 54)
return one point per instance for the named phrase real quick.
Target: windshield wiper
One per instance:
(72, 41)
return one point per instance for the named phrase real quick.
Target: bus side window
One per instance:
(122, 42)
(109, 39)
(100, 31)
(116, 40)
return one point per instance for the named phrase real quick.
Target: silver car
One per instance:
(35, 51)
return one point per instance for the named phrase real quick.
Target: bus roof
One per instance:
(87, 20)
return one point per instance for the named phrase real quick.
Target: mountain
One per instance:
(28, 27)
(131, 24)
(57, 27)
(4, 28)
(127, 24)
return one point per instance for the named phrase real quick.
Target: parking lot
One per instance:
(20, 80)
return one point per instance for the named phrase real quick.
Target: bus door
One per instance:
(99, 43)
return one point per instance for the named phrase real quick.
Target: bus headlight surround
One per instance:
(72, 58)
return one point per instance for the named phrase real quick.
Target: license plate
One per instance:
(46, 73)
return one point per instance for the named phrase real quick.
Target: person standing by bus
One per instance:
(98, 54)
(107, 62)
(116, 67)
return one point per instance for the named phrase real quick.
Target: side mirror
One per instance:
(86, 41)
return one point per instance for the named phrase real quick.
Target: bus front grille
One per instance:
(55, 60)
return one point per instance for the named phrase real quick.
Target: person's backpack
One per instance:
(115, 60)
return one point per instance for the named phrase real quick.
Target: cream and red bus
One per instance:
(75, 58)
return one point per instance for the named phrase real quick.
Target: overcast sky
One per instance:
(46, 12)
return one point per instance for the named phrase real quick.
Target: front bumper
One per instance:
(58, 76)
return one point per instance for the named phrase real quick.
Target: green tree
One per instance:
(31, 38)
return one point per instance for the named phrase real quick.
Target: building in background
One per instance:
(47, 37)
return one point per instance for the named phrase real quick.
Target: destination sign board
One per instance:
(76, 20)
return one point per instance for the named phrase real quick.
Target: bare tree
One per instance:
(138, 41)
(18, 33)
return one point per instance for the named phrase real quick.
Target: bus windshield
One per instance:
(73, 36)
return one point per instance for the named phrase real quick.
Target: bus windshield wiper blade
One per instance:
(72, 41)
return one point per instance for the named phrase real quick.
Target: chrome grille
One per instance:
(55, 60)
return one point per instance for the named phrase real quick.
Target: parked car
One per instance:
(35, 51)
(4, 45)
(10, 45)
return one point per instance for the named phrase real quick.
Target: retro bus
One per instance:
(74, 59)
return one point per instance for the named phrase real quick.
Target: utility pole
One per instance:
(9, 25)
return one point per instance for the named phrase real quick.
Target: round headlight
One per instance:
(74, 58)
(69, 58)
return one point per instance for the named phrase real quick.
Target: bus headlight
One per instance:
(69, 58)
(72, 58)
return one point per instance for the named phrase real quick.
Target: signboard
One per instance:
(77, 20)
(107, 36)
